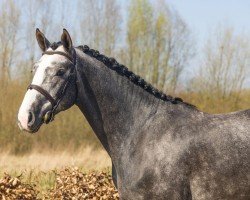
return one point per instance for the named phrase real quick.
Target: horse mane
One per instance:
(112, 64)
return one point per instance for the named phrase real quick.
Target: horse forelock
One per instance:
(55, 45)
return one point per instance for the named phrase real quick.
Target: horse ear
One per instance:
(42, 40)
(66, 40)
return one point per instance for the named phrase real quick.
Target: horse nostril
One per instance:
(31, 119)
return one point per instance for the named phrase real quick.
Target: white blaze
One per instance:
(31, 95)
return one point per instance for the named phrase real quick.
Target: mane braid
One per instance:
(123, 71)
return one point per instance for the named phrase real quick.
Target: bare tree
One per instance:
(226, 61)
(139, 36)
(100, 24)
(36, 14)
(31, 10)
(159, 43)
(9, 23)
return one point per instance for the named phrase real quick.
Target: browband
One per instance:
(60, 53)
(55, 102)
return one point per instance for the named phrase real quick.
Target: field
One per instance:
(67, 183)
(65, 148)
(44, 175)
(65, 159)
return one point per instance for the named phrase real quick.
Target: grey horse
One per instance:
(160, 146)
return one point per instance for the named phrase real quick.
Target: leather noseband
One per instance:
(49, 116)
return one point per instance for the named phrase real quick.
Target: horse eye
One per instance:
(60, 72)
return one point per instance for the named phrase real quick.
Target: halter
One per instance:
(49, 116)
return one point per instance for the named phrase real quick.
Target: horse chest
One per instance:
(151, 176)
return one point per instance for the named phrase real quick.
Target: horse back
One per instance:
(221, 164)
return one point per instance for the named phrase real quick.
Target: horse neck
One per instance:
(111, 103)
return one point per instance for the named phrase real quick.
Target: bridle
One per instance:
(49, 116)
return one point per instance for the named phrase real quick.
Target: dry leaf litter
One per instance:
(13, 188)
(70, 184)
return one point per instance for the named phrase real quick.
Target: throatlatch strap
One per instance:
(43, 92)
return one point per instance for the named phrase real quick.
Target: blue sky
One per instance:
(203, 16)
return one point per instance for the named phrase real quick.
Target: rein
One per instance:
(49, 116)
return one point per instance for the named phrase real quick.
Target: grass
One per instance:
(45, 181)
(215, 103)
(38, 168)
(69, 140)
(86, 158)
(70, 129)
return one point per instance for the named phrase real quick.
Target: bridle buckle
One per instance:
(49, 116)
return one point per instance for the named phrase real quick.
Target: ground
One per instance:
(57, 175)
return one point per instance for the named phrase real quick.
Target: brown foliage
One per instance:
(68, 130)
(71, 131)
(13, 188)
(70, 183)
(158, 46)
(212, 103)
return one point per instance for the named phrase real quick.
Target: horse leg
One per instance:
(114, 175)
(187, 195)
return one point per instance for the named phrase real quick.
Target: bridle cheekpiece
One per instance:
(49, 116)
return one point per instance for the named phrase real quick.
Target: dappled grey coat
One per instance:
(160, 147)
(166, 150)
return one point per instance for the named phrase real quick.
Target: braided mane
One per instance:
(123, 71)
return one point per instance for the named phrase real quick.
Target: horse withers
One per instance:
(160, 146)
